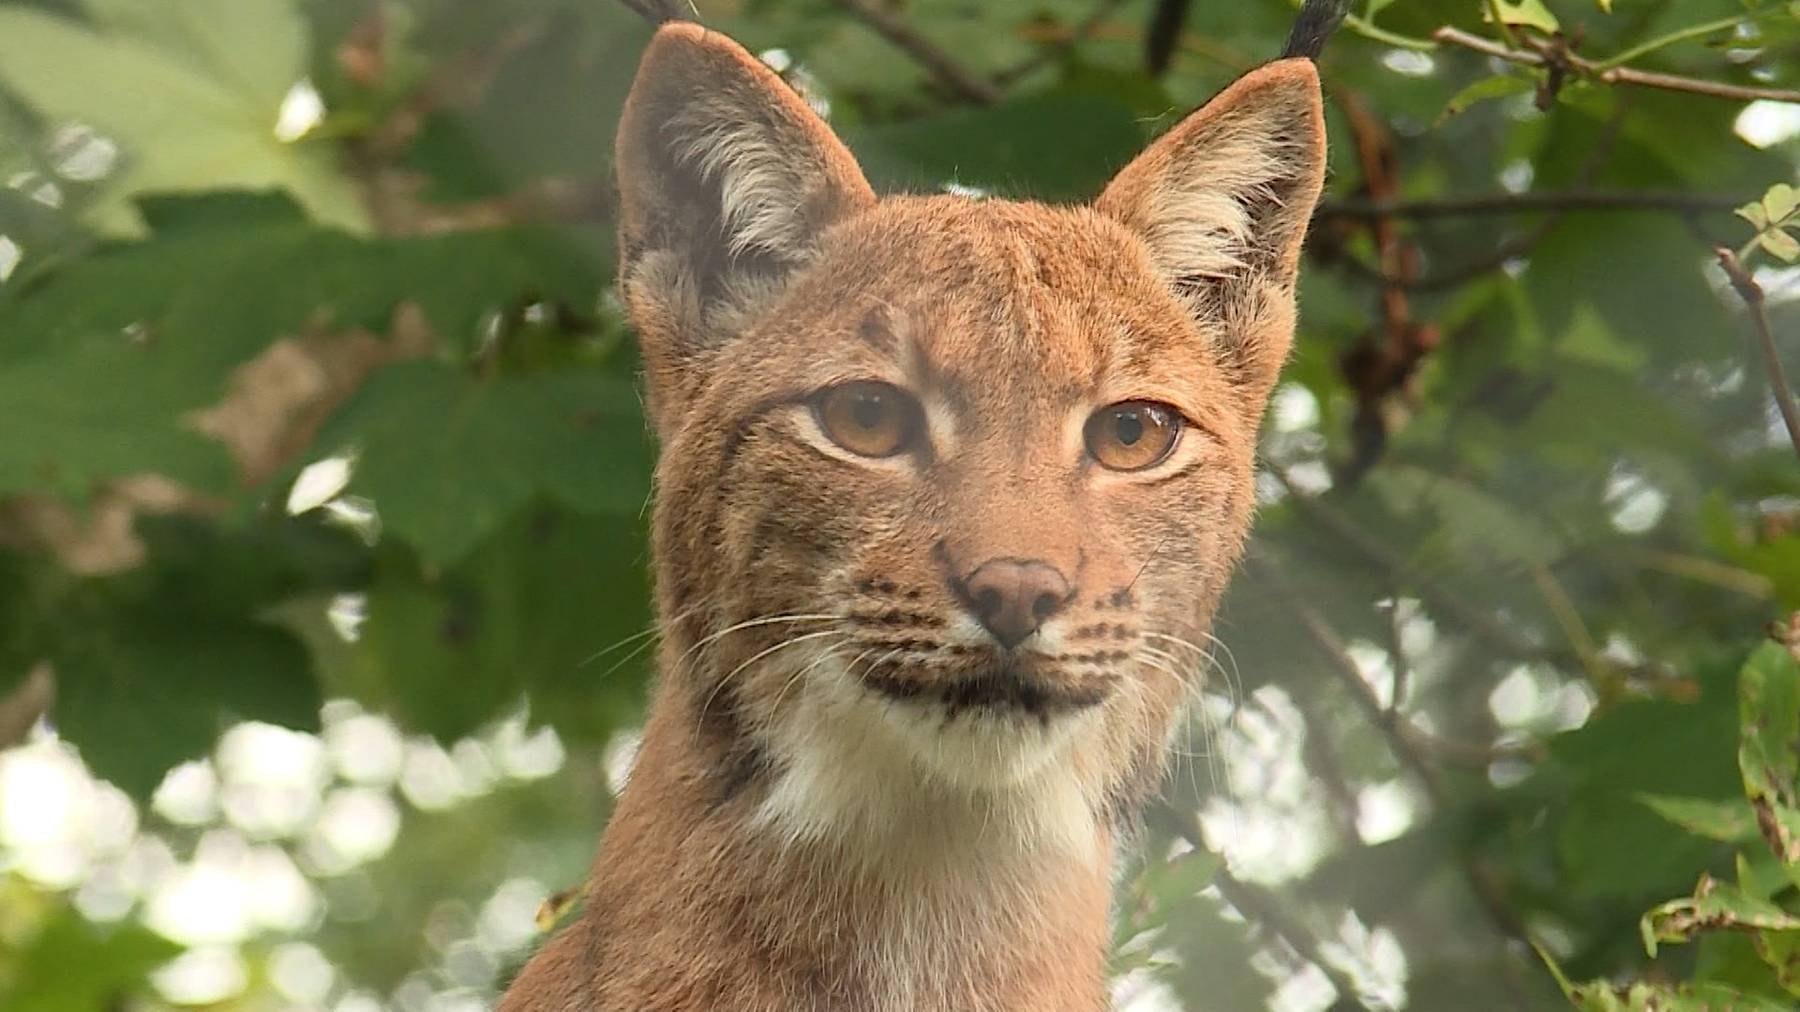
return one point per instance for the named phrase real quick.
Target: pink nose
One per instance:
(1011, 598)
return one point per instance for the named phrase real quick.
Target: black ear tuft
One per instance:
(1315, 23)
(659, 12)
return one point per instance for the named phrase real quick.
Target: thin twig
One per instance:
(956, 78)
(1576, 200)
(1496, 634)
(1556, 56)
(1344, 668)
(1397, 657)
(1321, 756)
(28, 701)
(1060, 45)
(1260, 907)
(1515, 246)
(1403, 740)
(1697, 86)
(1752, 294)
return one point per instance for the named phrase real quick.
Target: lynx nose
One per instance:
(1012, 597)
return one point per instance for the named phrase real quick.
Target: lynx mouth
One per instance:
(994, 690)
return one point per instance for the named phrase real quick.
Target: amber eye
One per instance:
(1132, 435)
(868, 418)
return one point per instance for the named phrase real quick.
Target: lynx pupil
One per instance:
(868, 408)
(1128, 427)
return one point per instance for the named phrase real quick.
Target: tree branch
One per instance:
(1060, 44)
(28, 701)
(1576, 200)
(1752, 294)
(658, 11)
(949, 72)
(1515, 246)
(1496, 634)
(1554, 55)
(1393, 726)
(1260, 907)
(1404, 740)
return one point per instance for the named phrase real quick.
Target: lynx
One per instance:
(949, 489)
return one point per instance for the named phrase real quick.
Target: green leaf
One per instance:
(448, 457)
(149, 332)
(1780, 201)
(145, 690)
(1769, 715)
(1484, 90)
(1478, 525)
(71, 964)
(1160, 892)
(1600, 996)
(1781, 951)
(1779, 244)
(549, 609)
(1526, 13)
(103, 409)
(191, 93)
(1715, 906)
(152, 664)
(1025, 147)
(258, 48)
(1729, 821)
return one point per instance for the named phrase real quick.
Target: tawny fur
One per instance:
(814, 822)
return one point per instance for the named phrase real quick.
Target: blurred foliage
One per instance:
(305, 313)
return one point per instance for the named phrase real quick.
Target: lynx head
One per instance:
(949, 488)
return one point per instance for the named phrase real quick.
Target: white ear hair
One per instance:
(727, 179)
(724, 171)
(1210, 220)
(1222, 203)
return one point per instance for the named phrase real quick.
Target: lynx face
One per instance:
(949, 488)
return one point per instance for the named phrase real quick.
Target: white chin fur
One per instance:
(892, 778)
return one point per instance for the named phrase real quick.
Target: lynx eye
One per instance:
(1132, 435)
(868, 418)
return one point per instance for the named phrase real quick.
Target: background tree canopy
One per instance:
(322, 485)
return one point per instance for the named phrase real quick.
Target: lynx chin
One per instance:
(949, 490)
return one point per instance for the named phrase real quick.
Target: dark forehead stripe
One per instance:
(876, 329)
(1003, 306)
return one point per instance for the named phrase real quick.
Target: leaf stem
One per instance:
(1500, 26)
(1367, 29)
(1682, 35)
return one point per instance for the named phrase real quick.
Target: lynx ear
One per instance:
(726, 178)
(1222, 201)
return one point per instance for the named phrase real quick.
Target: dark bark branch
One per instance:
(1577, 200)
(1163, 33)
(957, 79)
(658, 11)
